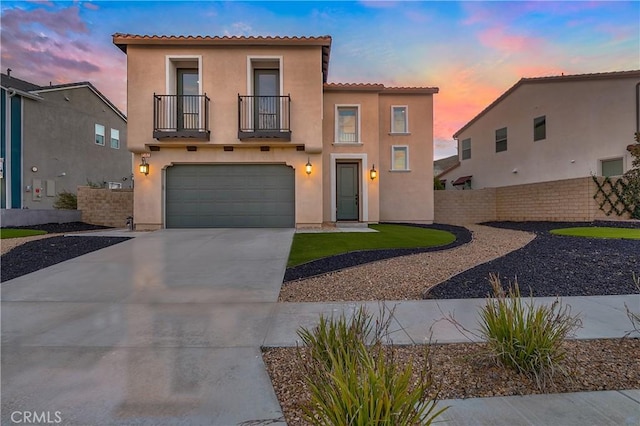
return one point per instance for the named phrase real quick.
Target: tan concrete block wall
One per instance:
(107, 207)
(556, 201)
(464, 207)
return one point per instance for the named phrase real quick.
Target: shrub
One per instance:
(66, 200)
(354, 380)
(525, 337)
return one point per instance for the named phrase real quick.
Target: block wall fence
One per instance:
(557, 201)
(107, 207)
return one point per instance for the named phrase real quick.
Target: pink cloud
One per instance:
(91, 6)
(43, 46)
(496, 38)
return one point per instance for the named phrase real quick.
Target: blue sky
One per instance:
(473, 51)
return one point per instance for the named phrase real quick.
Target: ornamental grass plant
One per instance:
(354, 380)
(526, 337)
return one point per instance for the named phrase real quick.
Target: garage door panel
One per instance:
(230, 195)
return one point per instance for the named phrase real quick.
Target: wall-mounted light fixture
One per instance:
(373, 173)
(144, 166)
(308, 167)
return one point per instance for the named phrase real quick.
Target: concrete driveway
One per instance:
(162, 329)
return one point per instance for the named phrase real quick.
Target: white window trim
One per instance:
(111, 138)
(171, 78)
(408, 168)
(364, 178)
(260, 58)
(393, 131)
(335, 125)
(170, 74)
(95, 133)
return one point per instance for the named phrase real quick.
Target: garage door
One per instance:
(230, 196)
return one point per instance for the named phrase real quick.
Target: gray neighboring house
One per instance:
(56, 138)
(444, 166)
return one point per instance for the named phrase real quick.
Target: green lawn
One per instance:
(599, 232)
(16, 233)
(308, 247)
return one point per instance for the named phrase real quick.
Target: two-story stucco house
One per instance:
(548, 129)
(246, 132)
(55, 138)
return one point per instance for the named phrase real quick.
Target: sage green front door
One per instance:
(347, 191)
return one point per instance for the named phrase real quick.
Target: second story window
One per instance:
(348, 124)
(99, 134)
(399, 157)
(399, 119)
(501, 139)
(540, 128)
(465, 148)
(115, 138)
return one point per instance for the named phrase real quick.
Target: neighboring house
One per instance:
(246, 132)
(550, 128)
(444, 166)
(55, 138)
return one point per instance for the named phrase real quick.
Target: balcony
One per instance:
(181, 116)
(264, 117)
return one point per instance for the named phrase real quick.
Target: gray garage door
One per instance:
(230, 196)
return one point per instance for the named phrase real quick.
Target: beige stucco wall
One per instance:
(224, 76)
(556, 201)
(407, 196)
(365, 153)
(587, 121)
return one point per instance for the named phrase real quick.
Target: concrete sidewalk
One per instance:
(166, 329)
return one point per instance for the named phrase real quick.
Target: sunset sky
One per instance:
(473, 51)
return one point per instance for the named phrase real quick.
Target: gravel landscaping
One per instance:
(554, 265)
(549, 265)
(21, 256)
(462, 371)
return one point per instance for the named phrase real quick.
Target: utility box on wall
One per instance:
(37, 190)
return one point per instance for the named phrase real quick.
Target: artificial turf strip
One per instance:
(599, 232)
(17, 233)
(308, 247)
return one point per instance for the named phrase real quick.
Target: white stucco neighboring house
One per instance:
(550, 128)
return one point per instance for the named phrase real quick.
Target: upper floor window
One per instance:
(466, 148)
(399, 157)
(115, 138)
(399, 119)
(612, 167)
(501, 139)
(99, 134)
(348, 124)
(540, 128)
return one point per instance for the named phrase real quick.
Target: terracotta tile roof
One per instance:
(378, 87)
(123, 40)
(550, 79)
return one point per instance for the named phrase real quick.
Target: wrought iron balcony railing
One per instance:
(181, 116)
(262, 117)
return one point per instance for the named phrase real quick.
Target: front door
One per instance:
(267, 100)
(188, 101)
(347, 191)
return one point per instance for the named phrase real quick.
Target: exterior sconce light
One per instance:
(144, 166)
(308, 166)
(373, 173)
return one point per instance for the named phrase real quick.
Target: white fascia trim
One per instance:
(406, 108)
(258, 58)
(335, 122)
(364, 193)
(170, 72)
(408, 168)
